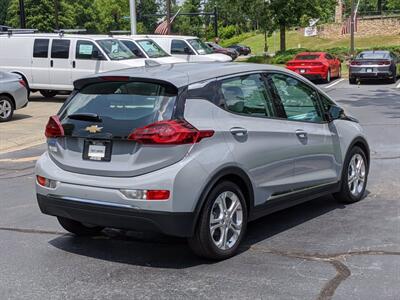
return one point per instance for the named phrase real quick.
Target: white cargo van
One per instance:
(190, 48)
(147, 48)
(50, 63)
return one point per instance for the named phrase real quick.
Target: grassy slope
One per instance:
(294, 39)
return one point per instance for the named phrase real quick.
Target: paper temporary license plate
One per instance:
(370, 70)
(97, 150)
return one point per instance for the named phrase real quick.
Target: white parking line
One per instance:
(335, 83)
(398, 86)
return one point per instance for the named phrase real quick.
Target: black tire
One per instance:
(78, 228)
(345, 195)
(48, 93)
(202, 242)
(340, 73)
(8, 105)
(352, 80)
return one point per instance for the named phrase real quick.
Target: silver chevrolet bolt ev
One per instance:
(196, 150)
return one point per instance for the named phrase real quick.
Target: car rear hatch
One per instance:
(96, 127)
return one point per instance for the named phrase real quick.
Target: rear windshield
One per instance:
(307, 57)
(373, 55)
(121, 106)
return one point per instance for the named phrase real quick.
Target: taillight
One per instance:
(316, 64)
(54, 128)
(22, 82)
(45, 182)
(384, 63)
(355, 63)
(146, 194)
(173, 132)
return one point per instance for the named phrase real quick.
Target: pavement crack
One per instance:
(35, 231)
(335, 260)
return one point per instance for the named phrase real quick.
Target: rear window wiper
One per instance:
(85, 117)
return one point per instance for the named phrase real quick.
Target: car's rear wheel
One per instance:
(78, 228)
(354, 177)
(352, 80)
(6, 108)
(222, 223)
(48, 93)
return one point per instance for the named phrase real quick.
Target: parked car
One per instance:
(374, 65)
(49, 63)
(241, 49)
(190, 48)
(316, 66)
(13, 95)
(147, 48)
(227, 51)
(196, 150)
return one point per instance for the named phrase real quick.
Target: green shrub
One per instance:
(227, 32)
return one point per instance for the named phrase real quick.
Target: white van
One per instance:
(190, 48)
(50, 63)
(147, 48)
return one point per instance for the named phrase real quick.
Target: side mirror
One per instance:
(187, 50)
(97, 55)
(334, 113)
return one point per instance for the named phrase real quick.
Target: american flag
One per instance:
(346, 28)
(162, 28)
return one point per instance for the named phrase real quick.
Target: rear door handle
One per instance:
(239, 131)
(74, 64)
(301, 134)
(51, 63)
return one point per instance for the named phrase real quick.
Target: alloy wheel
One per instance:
(226, 220)
(356, 175)
(5, 109)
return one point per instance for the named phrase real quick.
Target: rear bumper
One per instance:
(382, 72)
(309, 73)
(107, 215)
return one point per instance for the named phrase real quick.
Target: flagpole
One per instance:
(352, 29)
(132, 9)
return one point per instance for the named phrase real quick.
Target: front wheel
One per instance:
(222, 223)
(6, 108)
(354, 177)
(78, 228)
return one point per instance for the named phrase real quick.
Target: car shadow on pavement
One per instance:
(57, 99)
(18, 116)
(159, 251)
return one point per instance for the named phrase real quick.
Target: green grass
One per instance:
(296, 39)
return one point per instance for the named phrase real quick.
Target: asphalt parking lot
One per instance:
(317, 250)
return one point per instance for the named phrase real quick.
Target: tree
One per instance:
(190, 25)
(3, 11)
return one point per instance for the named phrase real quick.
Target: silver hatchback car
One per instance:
(196, 150)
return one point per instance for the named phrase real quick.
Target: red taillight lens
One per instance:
(384, 63)
(157, 195)
(22, 82)
(173, 132)
(355, 63)
(41, 180)
(54, 128)
(316, 64)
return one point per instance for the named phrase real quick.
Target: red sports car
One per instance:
(316, 66)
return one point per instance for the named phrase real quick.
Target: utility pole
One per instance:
(132, 10)
(168, 16)
(22, 22)
(352, 28)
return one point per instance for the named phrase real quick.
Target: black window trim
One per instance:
(187, 44)
(48, 47)
(69, 48)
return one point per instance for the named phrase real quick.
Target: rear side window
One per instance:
(41, 48)
(60, 49)
(85, 49)
(248, 95)
(307, 57)
(124, 106)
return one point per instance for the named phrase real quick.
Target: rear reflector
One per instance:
(173, 132)
(54, 128)
(151, 195)
(22, 82)
(45, 182)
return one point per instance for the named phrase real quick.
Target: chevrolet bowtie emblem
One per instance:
(94, 129)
